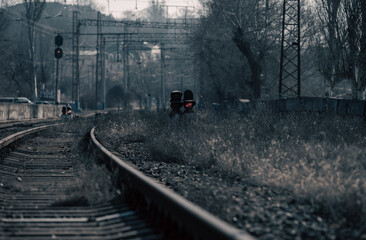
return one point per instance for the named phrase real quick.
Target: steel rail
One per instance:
(17, 123)
(192, 221)
(32, 214)
(14, 137)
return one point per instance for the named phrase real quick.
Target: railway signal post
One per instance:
(58, 55)
(188, 101)
(176, 104)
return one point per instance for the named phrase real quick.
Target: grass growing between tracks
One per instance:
(320, 158)
(94, 183)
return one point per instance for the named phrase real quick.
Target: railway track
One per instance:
(38, 179)
(9, 128)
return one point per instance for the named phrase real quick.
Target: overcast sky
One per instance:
(116, 7)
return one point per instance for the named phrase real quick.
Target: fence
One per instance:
(309, 104)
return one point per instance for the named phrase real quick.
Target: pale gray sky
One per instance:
(116, 7)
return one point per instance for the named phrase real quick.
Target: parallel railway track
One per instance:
(9, 128)
(36, 201)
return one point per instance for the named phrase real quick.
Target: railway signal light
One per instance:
(58, 53)
(176, 100)
(188, 101)
(175, 103)
(59, 40)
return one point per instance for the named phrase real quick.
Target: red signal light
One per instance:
(188, 105)
(58, 53)
(188, 101)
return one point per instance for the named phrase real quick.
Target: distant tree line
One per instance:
(235, 49)
(235, 41)
(341, 42)
(238, 47)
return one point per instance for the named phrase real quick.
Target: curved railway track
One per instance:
(8, 128)
(36, 179)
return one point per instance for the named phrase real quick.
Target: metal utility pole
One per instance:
(124, 56)
(118, 56)
(162, 74)
(181, 81)
(127, 70)
(57, 85)
(266, 12)
(290, 74)
(91, 79)
(75, 60)
(126, 66)
(98, 72)
(196, 82)
(103, 74)
(58, 55)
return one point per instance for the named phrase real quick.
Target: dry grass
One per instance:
(321, 158)
(94, 186)
(95, 183)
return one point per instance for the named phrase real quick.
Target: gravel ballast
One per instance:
(266, 212)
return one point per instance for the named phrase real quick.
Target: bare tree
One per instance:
(4, 44)
(4, 24)
(328, 11)
(115, 96)
(85, 3)
(155, 11)
(17, 68)
(353, 17)
(34, 9)
(14, 67)
(251, 25)
(44, 62)
(345, 37)
(222, 68)
(362, 55)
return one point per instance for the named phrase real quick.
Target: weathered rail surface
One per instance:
(8, 128)
(36, 201)
(40, 172)
(179, 218)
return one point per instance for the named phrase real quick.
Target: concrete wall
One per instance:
(23, 111)
(309, 104)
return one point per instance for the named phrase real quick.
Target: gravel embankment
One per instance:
(263, 211)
